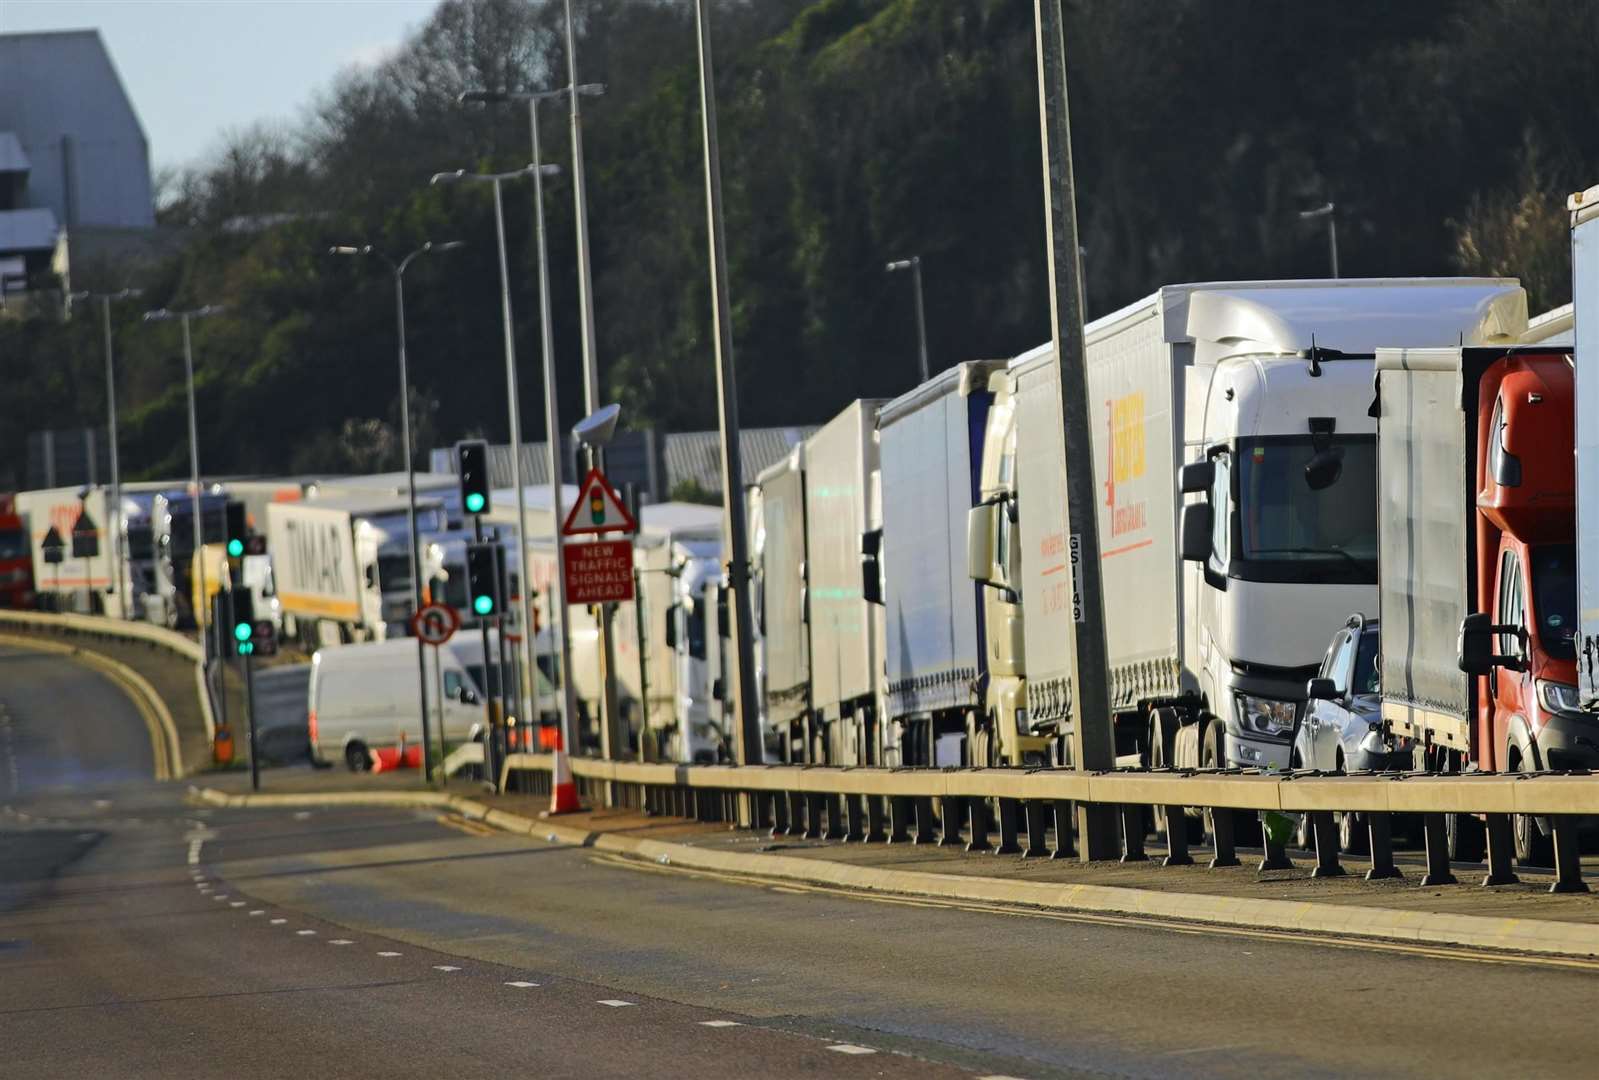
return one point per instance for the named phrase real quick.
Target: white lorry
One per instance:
(325, 559)
(782, 632)
(74, 583)
(1216, 611)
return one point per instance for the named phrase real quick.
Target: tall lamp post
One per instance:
(513, 403)
(184, 318)
(397, 269)
(738, 567)
(914, 265)
(1330, 212)
(113, 524)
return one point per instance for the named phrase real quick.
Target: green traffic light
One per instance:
(474, 502)
(246, 648)
(483, 605)
(243, 631)
(235, 548)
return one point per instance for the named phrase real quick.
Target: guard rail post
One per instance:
(836, 829)
(900, 819)
(813, 816)
(1223, 827)
(1276, 857)
(1326, 831)
(874, 819)
(926, 827)
(1437, 851)
(1007, 828)
(1379, 828)
(1568, 861)
(1501, 843)
(954, 808)
(796, 813)
(855, 810)
(980, 824)
(1132, 817)
(1036, 845)
(1176, 837)
(1065, 819)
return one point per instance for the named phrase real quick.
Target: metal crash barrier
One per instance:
(1030, 813)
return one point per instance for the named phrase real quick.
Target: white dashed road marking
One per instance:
(851, 1048)
(341, 941)
(521, 985)
(236, 903)
(306, 933)
(720, 1023)
(615, 1003)
(258, 911)
(445, 967)
(279, 922)
(389, 954)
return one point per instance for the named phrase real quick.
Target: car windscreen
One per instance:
(1554, 598)
(1307, 509)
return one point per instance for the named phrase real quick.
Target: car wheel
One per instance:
(1304, 834)
(1466, 841)
(1353, 839)
(357, 758)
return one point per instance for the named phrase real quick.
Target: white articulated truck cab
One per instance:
(1252, 401)
(693, 633)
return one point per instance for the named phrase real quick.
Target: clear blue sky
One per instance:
(195, 68)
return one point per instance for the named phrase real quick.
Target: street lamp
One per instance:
(914, 265)
(495, 180)
(113, 522)
(184, 318)
(398, 270)
(1328, 212)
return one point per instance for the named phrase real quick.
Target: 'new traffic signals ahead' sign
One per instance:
(598, 573)
(598, 509)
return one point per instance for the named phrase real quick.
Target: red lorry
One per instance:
(16, 558)
(1478, 583)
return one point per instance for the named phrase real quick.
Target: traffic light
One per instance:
(472, 461)
(482, 562)
(243, 621)
(237, 530)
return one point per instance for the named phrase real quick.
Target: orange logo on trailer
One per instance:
(1127, 460)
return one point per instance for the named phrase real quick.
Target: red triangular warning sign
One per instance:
(598, 509)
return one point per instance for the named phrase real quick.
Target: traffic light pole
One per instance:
(249, 711)
(491, 773)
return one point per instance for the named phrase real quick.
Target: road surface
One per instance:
(145, 937)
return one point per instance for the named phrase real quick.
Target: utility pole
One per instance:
(121, 577)
(610, 706)
(750, 748)
(1092, 738)
(914, 265)
(1330, 212)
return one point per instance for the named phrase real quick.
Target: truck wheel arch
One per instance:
(1519, 743)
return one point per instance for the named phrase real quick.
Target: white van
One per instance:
(364, 697)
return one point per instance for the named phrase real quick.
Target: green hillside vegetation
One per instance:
(854, 131)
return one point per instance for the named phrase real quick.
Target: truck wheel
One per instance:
(356, 758)
(1466, 839)
(1353, 839)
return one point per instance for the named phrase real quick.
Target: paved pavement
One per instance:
(148, 938)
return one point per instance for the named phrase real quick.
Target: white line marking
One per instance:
(306, 933)
(522, 985)
(219, 897)
(720, 1023)
(999, 1076)
(615, 1003)
(279, 922)
(258, 911)
(341, 941)
(301, 815)
(389, 954)
(851, 1048)
(236, 903)
(445, 967)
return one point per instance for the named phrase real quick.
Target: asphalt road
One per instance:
(270, 954)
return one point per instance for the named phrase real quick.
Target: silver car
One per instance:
(1341, 729)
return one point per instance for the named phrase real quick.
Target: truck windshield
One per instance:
(140, 544)
(394, 573)
(1554, 598)
(1306, 514)
(696, 628)
(13, 544)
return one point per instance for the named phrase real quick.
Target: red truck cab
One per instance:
(1528, 714)
(16, 558)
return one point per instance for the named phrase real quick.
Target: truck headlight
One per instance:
(1558, 697)
(1021, 721)
(1264, 716)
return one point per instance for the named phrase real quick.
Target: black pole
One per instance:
(249, 711)
(491, 775)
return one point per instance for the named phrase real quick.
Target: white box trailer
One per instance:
(931, 451)
(73, 584)
(1254, 396)
(325, 560)
(1584, 207)
(777, 529)
(846, 660)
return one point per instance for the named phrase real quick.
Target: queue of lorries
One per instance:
(1342, 524)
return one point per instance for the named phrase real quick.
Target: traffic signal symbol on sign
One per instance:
(601, 509)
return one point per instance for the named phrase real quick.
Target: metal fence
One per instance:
(1031, 812)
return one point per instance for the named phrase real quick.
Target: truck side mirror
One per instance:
(1475, 646)
(872, 566)
(1198, 476)
(1320, 689)
(671, 627)
(980, 542)
(718, 693)
(1197, 521)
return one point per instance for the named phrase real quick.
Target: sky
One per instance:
(198, 68)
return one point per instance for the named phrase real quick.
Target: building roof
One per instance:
(696, 456)
(12, 159)
(27, 230)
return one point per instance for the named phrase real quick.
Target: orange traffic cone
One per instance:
(563, 796)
